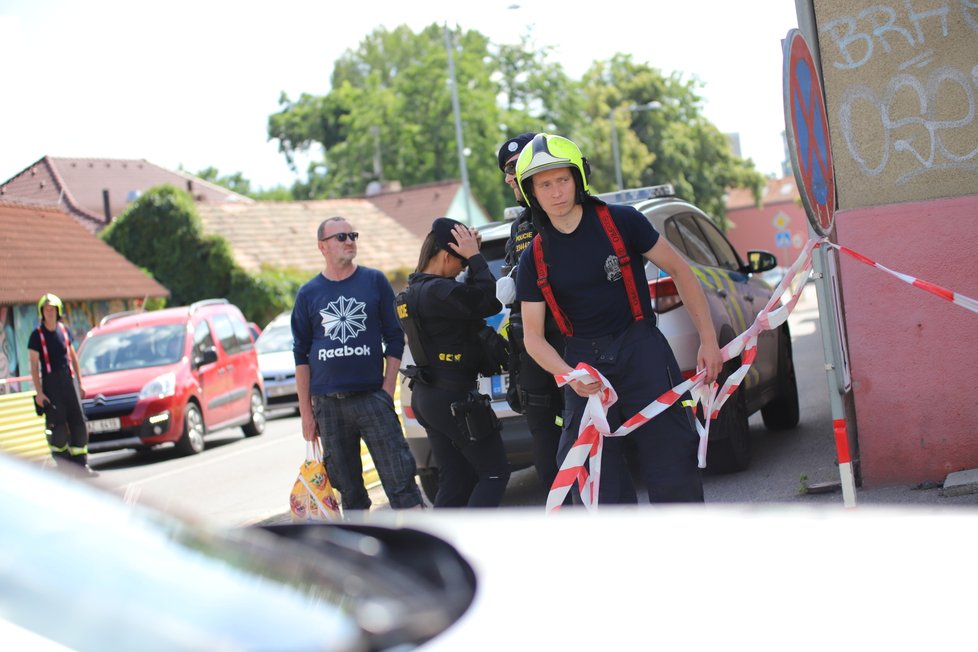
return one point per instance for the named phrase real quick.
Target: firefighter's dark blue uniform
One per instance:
(633, 355)
(65, 427)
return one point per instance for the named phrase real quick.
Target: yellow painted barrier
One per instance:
(21, 430)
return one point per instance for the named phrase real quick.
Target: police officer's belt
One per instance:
(425, 376)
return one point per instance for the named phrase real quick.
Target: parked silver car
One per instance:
(736, 294)
(277, 363)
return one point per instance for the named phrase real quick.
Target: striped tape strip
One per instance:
(582, 464)
(948, 295)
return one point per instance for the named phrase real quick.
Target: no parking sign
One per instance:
(808, 133)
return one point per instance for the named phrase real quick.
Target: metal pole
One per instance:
(827, 308)
(826, 318)
(458, 128)
(614, 149)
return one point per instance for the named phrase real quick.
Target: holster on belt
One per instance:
(416, 374)
(475, 418)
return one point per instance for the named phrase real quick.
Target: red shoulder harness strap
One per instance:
(624, 264)
(44, 347)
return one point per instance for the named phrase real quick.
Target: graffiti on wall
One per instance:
(8, 347)
(17, 322)
(906, 104)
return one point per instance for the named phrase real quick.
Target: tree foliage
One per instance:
(663, 136)
(239, 184)
(389, 117)
(162, 233)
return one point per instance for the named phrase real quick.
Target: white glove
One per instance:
(506, 290)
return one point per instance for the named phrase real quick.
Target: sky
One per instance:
(192, 83)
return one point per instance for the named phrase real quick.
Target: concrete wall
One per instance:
(901, 86)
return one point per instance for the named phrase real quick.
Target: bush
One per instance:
(162, 233)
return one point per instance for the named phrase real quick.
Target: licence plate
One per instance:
(499, 386)
(104, 425)
(281, 390)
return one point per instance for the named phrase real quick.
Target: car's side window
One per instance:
(225, 333)
(673, 236)
(693, 241)
(242, 334)
(725, 254)
(202, 338)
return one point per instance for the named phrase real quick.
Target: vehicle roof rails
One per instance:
(116, 315)
(197, 305)
(637, 194)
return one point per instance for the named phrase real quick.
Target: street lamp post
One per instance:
(615, 154)
(458, 127)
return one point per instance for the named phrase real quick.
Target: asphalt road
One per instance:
(239, 481)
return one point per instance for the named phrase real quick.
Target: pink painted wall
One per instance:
(913, 356)
(759, 228)
(779, 225)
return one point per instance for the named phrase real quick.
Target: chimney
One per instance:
(105, 206)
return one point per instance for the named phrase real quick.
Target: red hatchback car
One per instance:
(170, 375)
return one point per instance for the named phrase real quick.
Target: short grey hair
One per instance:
(322, 225)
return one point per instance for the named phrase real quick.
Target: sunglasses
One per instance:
(352, 235)
(510, 168)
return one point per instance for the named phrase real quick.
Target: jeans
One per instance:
(369, 416)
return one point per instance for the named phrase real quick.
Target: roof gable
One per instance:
(46, 250)
(81, 185)
(415, 208)
(775, 192)
(283, 234)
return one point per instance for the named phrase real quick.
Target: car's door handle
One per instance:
(220, 372)
(230, 367)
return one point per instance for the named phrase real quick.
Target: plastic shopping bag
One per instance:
(312, 499)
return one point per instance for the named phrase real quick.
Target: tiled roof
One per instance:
(417, 207)
(78, 185)
(283, 234)
(43, 249)
(776, 192)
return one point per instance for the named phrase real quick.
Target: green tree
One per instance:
(389, 117)
(161, 232)
(239, 184)
(663, 136)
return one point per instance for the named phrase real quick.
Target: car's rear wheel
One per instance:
(783, 413)
(191, 441)
(429, 483)
(730, 450)
(256, 424)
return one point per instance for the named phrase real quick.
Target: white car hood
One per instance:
(706, 577)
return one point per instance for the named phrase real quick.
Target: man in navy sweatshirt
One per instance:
(348, 344)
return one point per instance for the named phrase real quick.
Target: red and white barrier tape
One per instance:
(948, 295)
(594, 423)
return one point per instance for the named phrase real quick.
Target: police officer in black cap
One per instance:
(444, 320)
(532, 390)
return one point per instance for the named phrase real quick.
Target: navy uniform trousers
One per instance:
(640, 365)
